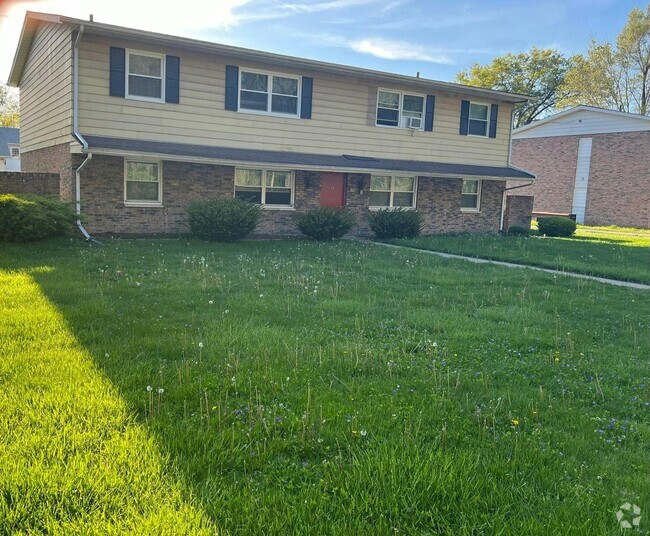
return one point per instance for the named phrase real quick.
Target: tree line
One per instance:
(611, 76)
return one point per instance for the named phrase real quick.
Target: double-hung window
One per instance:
(479, 117)
(142, 182)
(398, 109)
(470, 199)
(269, 93)
(271, 188)
(145, 73)
(15, 152)
(391, 191)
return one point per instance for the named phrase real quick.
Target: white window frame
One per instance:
(269, 93)
(392, 192)
(400, 110)
(162, 76)
(487, 121)
(263, 195)
(477, 195)
(15, 154)
(144, 202)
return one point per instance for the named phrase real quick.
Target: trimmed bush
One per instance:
(556, 226)
(398, 223)
(518, 230)
(28, 218)
(325, 223)
(222, 219)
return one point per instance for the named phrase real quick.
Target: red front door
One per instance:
(332, 190)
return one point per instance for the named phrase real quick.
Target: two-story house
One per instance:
(139, 123)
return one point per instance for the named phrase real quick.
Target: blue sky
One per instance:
(436, 38)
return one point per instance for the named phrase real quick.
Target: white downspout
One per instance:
(77, 134)
(503, 201)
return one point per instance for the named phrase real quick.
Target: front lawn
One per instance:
(600, 252)
(302, 388)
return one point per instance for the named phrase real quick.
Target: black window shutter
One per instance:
(232, 87)
(464, 117)
(494, 112)
(428, 117)
(305, 99)
(117, 72)
(172, 79)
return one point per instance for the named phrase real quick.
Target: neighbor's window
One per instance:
(470, 198)
(392, 191)
(267, 187)
(269, 93)
(478, 119)
(15, 152)
(394, 109)
(142, 182)
(145, 74)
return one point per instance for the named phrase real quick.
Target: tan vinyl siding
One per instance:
(343, 115)
(46, 89)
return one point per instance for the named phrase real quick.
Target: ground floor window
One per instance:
(470, 199)
(268, 187)
(142, 182)
(392, 191)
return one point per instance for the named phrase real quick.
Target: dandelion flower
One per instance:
(149, 388)
(515, 422)
(160, 390)
(211, 302)
(363, 433)
(200, 345)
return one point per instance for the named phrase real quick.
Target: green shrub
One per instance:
(27, 218)
(556, 226)
(222, 219)
(518, 230)
(325, 223)
(398, 223)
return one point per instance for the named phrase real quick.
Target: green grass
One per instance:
(604, 252)
(313, 388)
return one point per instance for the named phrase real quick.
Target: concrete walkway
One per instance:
(526, 266)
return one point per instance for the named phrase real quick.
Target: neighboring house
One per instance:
(145, 122)
(590, 162)
(9, 149)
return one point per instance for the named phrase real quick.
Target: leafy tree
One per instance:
(539, 73)
(614, 77)
(9, 108)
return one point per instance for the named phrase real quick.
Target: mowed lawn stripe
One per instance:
(73, 459)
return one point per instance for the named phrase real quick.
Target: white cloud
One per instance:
(398, 50)
(279, 10)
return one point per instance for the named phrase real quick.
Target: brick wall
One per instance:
(55, 159)
(519, 209)
(619, 180)
(102, 198)
(554, 161)
(619, 176)
(19, 182)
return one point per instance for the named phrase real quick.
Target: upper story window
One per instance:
(271, 188)
(269, 93)
(470, 199)
(389, 191)
(398, 109)
(479, 116)
(142, 182)
(15, 152)
(145, 75)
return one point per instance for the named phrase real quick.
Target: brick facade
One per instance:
(55, 159)
(619, 177)
(102, 200)
(19, 182)
(519, 209)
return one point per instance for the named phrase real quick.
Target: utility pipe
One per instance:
(503, 201)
